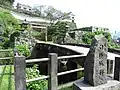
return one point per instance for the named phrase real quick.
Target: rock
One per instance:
(95, 67)
(110, 85)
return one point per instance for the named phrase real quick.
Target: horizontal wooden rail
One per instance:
(36, 79)
(71, 56)
(70, 71)
(20, 65)
(46, 59)
(6, 50)
(59, 74)
(6, 58)
(37, 60)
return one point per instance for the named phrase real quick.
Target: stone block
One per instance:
(110, 85)
(95, 66)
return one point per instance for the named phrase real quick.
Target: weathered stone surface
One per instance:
(110, 85)
(95, 66)
(52, 71)
(19, 73)
(117, 69)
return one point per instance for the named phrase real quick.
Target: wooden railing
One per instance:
(8, 57)
(20, 66)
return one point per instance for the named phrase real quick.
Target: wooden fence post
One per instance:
(117, 69)
(52, 71)
(19, 72)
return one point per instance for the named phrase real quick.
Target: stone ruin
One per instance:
(95, 68)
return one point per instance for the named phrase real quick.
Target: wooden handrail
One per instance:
(6, 50)
(46, 59)
(6, 58)
(59, 74)
(20, 65)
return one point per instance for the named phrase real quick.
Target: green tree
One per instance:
(88, 36)
(57, 31)
(51, 13)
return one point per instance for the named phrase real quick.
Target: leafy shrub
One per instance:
(35, 85)
(57, 31)
(24, 50)
(8, 25)
(36, 33)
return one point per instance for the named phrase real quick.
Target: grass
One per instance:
(6, 77)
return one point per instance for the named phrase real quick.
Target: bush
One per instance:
(23, 50)
(35, 85)
(38, 35)
(8, 25)
(87, 38)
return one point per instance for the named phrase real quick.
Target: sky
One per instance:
(101, 13)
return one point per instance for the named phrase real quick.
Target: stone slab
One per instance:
(110, 85)
(95, 66)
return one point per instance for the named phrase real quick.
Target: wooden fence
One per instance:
(8, 57)
(20, 66)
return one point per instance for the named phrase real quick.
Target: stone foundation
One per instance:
(110, 85)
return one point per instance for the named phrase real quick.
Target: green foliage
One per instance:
(6, 2)
(4, 54)
(8, 25)
(114, 45)
(8, 22)
(10, 43)
(23, 50)
(87, 37)
(57, 31)
(35, 85)
(38, 35)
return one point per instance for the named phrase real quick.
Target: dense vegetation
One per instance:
(6, 2)
(32, 73)
(88, 36)
(57, 32)
(8, 26)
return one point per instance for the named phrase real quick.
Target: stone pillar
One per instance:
(95, 66)
(117, 69)
(95, 69)
(52, 71)
(19, 72)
